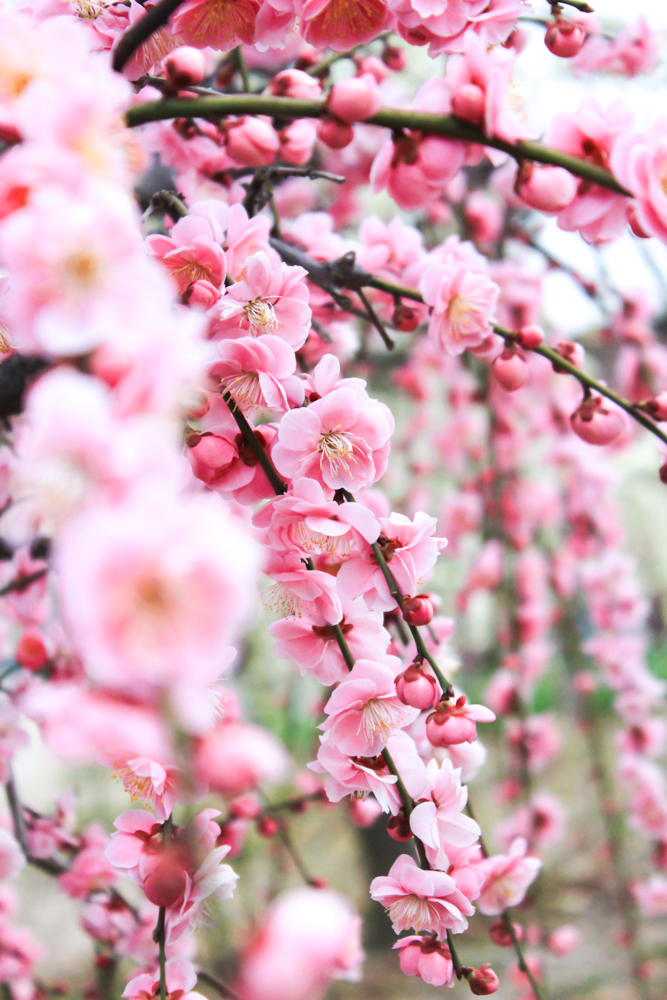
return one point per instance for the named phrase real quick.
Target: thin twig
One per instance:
(250, 438)
(225, 991)
(22, 583)
(376, 321)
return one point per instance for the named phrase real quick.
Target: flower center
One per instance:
(337, 449)
(138, 788)
(88, 9)
(261, 316)
(244, 389)
(83, 269)
(380, 718)
(413, 911)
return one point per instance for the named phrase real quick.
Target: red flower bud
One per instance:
(31, 650)
(483, 981)
(417, 610)
(572, 352)
(267, 826)
(244, 807)
(394, 58)
(166, 883)
(530, 337)
(398, 827)
(657, 406)
(416, 688)
(185, 67)
(500, 934)
(468, 103)
(404, 318)
(564, 38)
(335, 134)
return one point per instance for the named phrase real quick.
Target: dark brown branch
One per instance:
(155, 18)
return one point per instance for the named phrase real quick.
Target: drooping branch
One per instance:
(395, 119)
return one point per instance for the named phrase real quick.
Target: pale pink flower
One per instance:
(639, 162)
(421, 900)
(455, 722)
(304, 521)
(180, 981)
(591, 134)
(364, 711)
(437, 818)
(18, 954)
(272, 298)
(541, 822)
(483, 91)
(211, 879)
(258, 373)
(507, 878)
(275, 26)
(298, 590)
(370, 775)
(309, 938)
(424, 956)
(410, 549)
(340, 440)
(154, 589)
(238, 757)
(190, 252)
(89, 871)
(463, 305)
(634, 49)
(311, 642)
(443, 24)
(144, 779)
(137, 840)
(215, 23)
(68, 258)
(297, 142)
(12, 738)
(327, 23)
(563, 940)
(227, 464)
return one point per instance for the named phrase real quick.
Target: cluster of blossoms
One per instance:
(186, 414)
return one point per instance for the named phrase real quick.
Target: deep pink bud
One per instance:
(376, 67)
(252, 141)
(572, 352)
(201, 294)
(510, 369)
(185, 67)
(31, 650)
(530, 337)
(417, 610)
(334, 134)
(166, 883)
(596, 423)
(416, 688)
(483, 981)
(244, 807)
(656, 407)
(398, 827)
(394, 58)
(444, 729)
(500, 934)
(547, 189)
(468, 103)
(355, 99)
(564, 38)
(404, 318)
(267, 826)
(210, 456)
(563, 940)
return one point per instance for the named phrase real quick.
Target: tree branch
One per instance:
(395, 119)
(154, 19)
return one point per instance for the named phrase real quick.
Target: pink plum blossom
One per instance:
(238, 757)
(437, 818)
(426, 957)
(421, 900)
(507, 878)
(258, 373)
(180, 980)
(342, 27)
(149, 589)
(271, 298)
(216, 24)
(190, 253)
(364, 711)
(463, 304)
(144, 779)
(341, 440)
(90, 871)
(456, 722)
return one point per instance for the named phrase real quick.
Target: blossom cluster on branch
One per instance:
(192, 427)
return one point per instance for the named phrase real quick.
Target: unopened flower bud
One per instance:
(251, 141)
(510, 369)
(563, 940)
(355, 99)
(185, 67)
(417, 610)
(530, 336)
(166, 883)
(595, 422)
(31, 650)
(572, 352)
(334, 134)
(398, 827)
(564, 38)
(656, 407)
(499, 933)
(267, 826)
(416, 688)
(483, 981)
(468, 103)
(244, 807)
(201, 294)
(404, 318)
(547, 189)
(394, 58)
